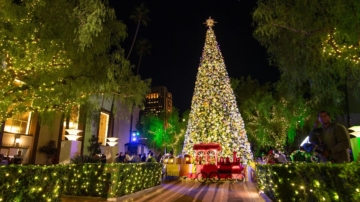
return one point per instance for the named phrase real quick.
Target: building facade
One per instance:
(160, 99)
(25, 133)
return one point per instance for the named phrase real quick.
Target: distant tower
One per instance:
(214, 115)
(159, 99)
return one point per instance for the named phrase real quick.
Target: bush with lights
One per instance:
(48, 183)
(310, 181)
(111, 180)
(32, 183)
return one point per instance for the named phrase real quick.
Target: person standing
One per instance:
(121, 158)
(128, 158)
(334, 139)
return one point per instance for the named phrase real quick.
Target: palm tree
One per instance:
(142, 47)
(139, 15)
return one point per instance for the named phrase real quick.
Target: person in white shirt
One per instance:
(128, 158)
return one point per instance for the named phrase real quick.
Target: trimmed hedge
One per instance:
(31, 183)
(310, 181)
(47, 183)
(111, 180)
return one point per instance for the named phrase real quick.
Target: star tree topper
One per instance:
(210, 22)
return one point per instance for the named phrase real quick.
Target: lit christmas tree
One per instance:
(214, 115)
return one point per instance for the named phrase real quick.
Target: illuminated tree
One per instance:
(162, 134)
(315, 44)
(214, 115)
(272, 121)
(57, 54)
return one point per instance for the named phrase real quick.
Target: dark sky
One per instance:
(177, 35)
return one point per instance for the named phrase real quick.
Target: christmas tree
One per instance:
(214, 115)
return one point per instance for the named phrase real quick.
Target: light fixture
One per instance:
(72, 134)
(112, 141)
(17, 140)
(355, 128)
(356, 133)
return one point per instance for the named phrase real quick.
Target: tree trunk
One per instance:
(137, 71)
(133, 42)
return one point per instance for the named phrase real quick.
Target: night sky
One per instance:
(177, 35)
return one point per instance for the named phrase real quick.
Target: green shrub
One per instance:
(23, 183)
(310, 181)
(32, 183)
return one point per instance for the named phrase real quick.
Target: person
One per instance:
(121, 158)
(332, 140)
(143, 158)
(128, 158)
(151, 158)
(103, 158)
(279, 157)
(116, 159)
(3, 160)
(18, 158)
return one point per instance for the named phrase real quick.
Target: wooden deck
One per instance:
(188, 191)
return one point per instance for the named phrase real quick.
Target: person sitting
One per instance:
(3, 160)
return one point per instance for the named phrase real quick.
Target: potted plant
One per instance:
(49, 150)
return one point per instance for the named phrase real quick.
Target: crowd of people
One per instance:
(5, 160)
(127, 158)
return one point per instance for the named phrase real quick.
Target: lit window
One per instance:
(18, 124)
(103, 127)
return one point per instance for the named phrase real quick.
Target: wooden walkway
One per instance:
(188, 191)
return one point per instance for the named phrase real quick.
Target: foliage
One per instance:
(81, 159)
(165, 129)
(94, 146)
(49, 149)
(51, 63)
(314, 44)
(310, 181)
(49, 183)
(271, 118)
(32, 183)
(112, 180)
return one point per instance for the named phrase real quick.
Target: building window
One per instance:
(18, 124)
(103, 127)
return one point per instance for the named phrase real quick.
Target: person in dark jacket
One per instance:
(121, 158)
(334, 139)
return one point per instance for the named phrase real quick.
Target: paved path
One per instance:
(188, 191)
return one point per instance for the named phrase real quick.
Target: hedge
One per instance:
(310, 181)
(48, 183)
